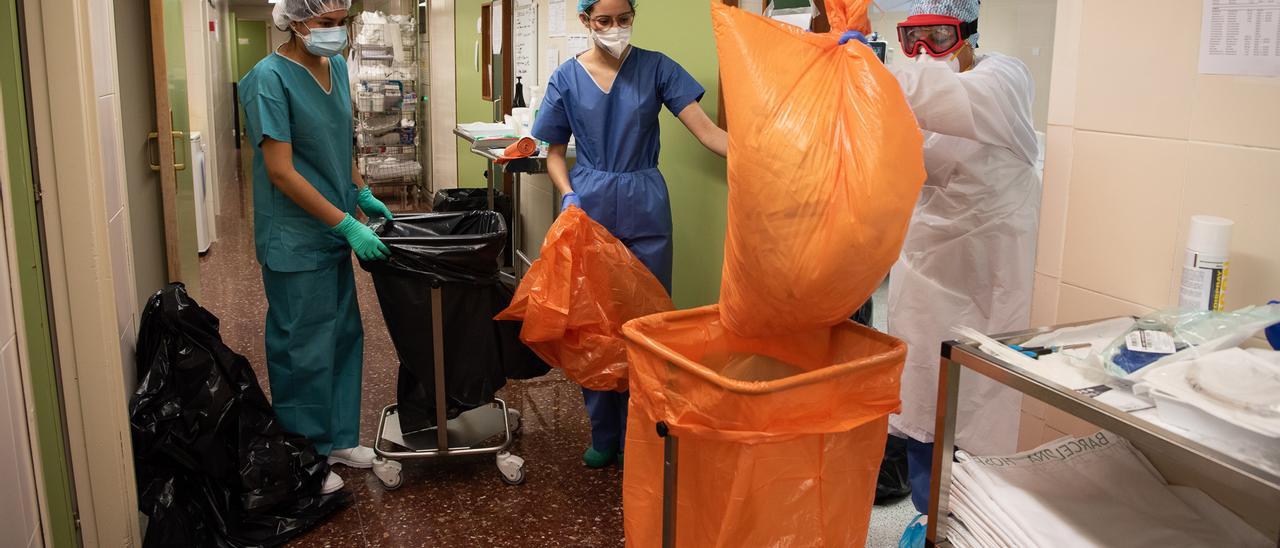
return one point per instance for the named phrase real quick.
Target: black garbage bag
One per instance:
(864, 313)
(893, 483)
(475, 199)
(457, 252)
(214, 467)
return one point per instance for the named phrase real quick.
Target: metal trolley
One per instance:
(464, 436)
(460, 437)
(1245, 486)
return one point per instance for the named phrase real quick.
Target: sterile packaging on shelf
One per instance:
(1170, 336)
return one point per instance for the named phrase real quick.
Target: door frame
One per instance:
(32, 307)
(80, 286)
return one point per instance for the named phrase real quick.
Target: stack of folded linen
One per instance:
(1096, 490)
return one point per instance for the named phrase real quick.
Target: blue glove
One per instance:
(852, 35)
(570, 199)
(364, 242)
(371, 206)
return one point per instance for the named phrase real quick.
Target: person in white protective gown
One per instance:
(969, 254)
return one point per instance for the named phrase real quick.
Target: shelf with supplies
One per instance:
(385, 74)
(1240, 478)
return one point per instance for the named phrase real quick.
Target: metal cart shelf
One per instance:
(1242, 485)
(517, 168)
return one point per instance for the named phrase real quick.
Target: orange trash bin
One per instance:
(779, 437)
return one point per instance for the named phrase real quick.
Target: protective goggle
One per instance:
(937, 35)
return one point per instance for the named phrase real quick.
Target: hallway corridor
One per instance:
(441, 504)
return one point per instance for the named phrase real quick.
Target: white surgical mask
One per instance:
(614, 40)
(325, 42)
(951, 61)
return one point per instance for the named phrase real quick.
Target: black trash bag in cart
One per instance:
(214, 466)
(457, 252)
(474, 199)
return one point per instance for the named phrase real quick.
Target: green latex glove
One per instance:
(364, 242)
(371, 206)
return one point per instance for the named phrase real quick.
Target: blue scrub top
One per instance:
(616, 175)
(616, 131)
(282, 100)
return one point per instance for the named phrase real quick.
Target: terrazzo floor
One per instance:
(462, 504)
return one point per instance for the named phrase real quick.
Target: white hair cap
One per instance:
(288, 11)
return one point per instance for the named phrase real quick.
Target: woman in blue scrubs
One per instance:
(297, 105)
(608, 99)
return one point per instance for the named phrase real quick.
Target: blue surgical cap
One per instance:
(584, 5)
(964, 10)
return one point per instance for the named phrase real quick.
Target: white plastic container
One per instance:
(1205, 267)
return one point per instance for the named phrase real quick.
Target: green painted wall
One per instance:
(49, 435)
(251, 46)
(471, 105)
(682, 30)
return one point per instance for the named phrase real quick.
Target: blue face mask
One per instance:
(325, 42)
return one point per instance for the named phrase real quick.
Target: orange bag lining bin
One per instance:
(848, 386)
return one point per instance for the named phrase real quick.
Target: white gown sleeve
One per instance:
(990, 104)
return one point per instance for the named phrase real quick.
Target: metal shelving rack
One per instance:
(1242, 485)
(389, 118)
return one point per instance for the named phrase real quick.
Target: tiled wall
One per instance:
(111, 135)
(223, 107)
(443, 96)
(19, 513)
(1138, 142)
(209, 99)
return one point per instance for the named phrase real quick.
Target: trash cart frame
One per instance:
(468, 429)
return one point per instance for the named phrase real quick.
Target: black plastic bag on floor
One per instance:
(449, 200)
(458, 253)
(214, 467)
(893, 483)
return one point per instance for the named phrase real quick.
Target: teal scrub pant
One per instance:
(315, 353)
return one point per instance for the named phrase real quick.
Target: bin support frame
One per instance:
(670, 483)
(458, 437)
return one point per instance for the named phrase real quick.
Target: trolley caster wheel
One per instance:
(511, 468)
(389, 472)
(517, 421)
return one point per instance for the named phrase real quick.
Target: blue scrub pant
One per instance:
(608, 413)
(636, 209)
(315, 353)
(919, 472)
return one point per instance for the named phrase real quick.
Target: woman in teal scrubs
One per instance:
(306, 188)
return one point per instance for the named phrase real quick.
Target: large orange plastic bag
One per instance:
(825, 165)
(790, 461)
(576, 296)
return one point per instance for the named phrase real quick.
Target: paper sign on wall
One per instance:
(577, 43)
(495, 28)
(525, 36)
(1240, 38)
(555, 18)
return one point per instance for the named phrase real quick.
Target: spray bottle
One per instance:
(1205, 267)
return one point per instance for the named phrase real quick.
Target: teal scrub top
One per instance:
(283, 101)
